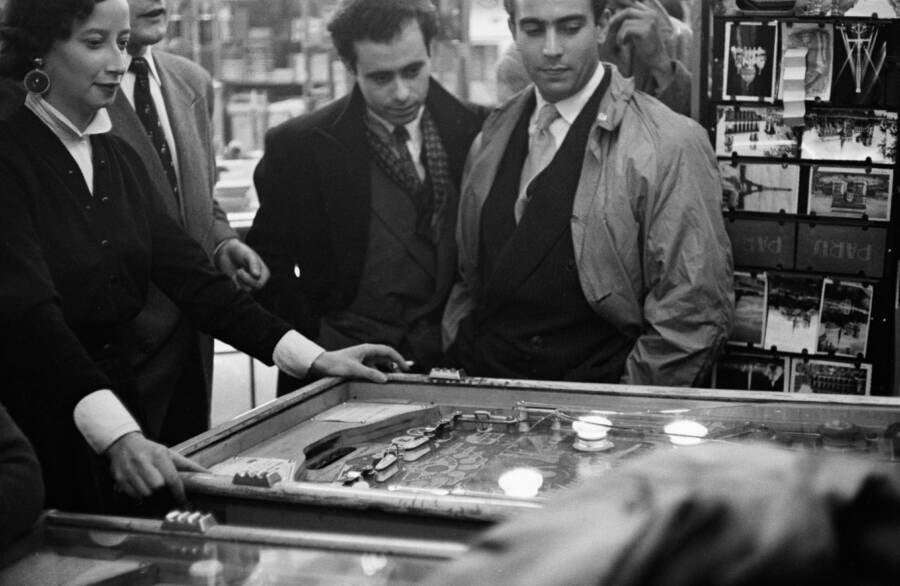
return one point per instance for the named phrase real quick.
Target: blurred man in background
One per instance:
(163, 110)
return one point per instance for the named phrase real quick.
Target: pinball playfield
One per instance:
(443, 457)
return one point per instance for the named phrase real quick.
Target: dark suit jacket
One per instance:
(314, 187)
(162, 335)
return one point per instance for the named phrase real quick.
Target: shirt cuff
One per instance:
(102, 419)
(295, 353)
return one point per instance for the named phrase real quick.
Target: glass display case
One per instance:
(187, 548)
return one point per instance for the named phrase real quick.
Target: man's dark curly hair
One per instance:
(597, 6)
(28, 29)
(380, 21)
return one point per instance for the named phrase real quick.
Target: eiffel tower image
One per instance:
(747, 187)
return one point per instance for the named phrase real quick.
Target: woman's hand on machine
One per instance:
(140, 467)
(362, 361)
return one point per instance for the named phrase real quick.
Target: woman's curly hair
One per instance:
(28, 29)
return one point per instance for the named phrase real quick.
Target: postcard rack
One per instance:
(801, 103)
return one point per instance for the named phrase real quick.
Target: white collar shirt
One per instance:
(415, 142)
(569, 108)
(77, 142)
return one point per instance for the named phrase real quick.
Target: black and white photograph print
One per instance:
(844, 318)
(851, 192)
(850, 135)
(861, 8)
(750, 187)
(754, 131)
(749, 309)
(826, 376)
(818, 40)
(745, 372)
(750, 60)
(792, 317)
(866, 8)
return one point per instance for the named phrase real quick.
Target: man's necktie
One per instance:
(401, 137)
(541, 149)
(146, 111)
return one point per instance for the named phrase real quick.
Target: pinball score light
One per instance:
(521, 482)
(686, 432)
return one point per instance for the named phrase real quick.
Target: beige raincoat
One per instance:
(650, 244)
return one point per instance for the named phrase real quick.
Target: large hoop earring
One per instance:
(37, 81)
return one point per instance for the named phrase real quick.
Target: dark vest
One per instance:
(397, 302)
(533, 320)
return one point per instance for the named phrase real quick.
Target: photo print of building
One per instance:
(825, 376)
(851, 192)
(749, 309)
(753, 131)
(792, 318)
(844, 318)
(745, 372)
(851, 135)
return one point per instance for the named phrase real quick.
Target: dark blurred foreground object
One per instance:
(12, 95)
(712, 514)
(21, 486)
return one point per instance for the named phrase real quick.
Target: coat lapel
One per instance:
(343, 158)
(549, 213)
(481, 176)
(181, 103)
(457, 126)
(397, 215)
(446, 256)
(127, 125)
(544, 223)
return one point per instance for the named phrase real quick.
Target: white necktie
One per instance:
(541, 149)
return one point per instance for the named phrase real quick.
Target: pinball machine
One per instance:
(443, 456)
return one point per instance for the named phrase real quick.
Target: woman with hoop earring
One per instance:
(82, 234)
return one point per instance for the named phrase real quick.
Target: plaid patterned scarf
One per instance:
(431, 203)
